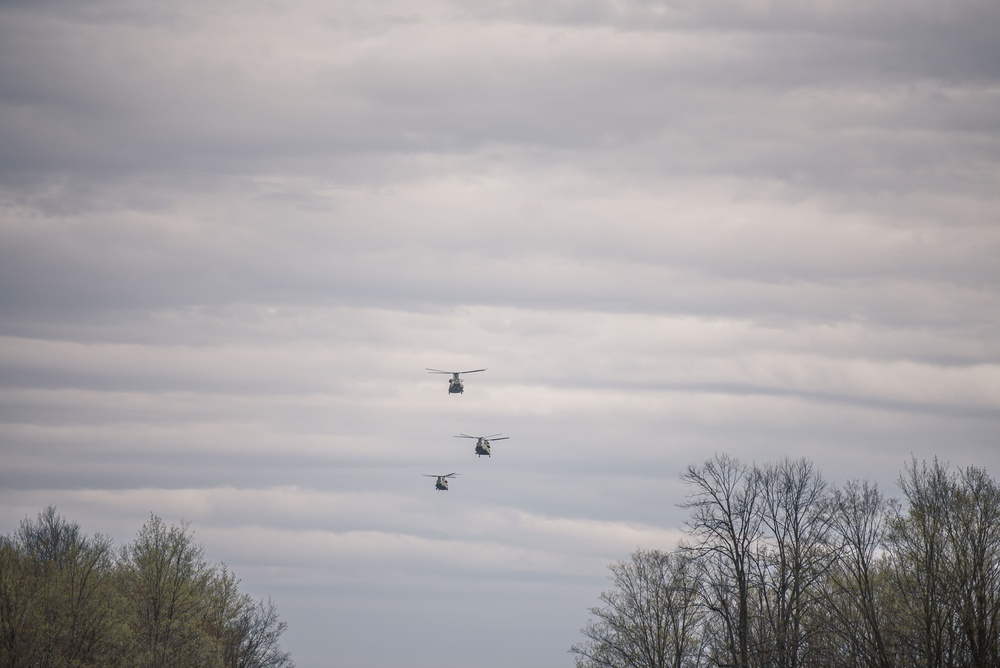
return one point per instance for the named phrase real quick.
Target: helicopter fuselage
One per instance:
(483, 442)
(454, 383)
(440, 481)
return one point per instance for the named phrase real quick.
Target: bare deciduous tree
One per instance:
(860, 519)
(794, 559)
(921, 556)
(725, 525)
(792, 574)
(650, 619)
(973, 532)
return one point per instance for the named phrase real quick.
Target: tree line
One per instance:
(780, 569)
(71, 600)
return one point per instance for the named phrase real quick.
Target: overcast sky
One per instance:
(233, 235)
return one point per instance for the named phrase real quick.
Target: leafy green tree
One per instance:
(166, 579)
(19, 590)
(66, 601)
(58, 596)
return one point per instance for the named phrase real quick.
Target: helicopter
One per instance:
(483, 442)
(455, 383)
(442, 480)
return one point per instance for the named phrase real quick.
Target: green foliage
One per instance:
(59, 603)
(68, 600)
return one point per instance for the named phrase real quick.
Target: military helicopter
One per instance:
(455, 383)
(442, 480)
(483, 442)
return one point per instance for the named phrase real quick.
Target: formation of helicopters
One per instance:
(455, 386)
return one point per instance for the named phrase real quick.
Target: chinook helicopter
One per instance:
(442, 480)
(483, 442)
(455, 383)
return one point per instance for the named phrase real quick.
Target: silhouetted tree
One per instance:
(920, 551)
(725, 526)
(782, 571)
(860, 518)
(248, 630)
(945, 548)
(794, 559)
(973, 530)
(650, 619)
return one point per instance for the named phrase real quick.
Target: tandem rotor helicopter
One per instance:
(442, 480)
(455, 383)
(483, 442)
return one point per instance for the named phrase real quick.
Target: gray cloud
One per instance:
(233, 237)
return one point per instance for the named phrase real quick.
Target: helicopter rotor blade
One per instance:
(454, 373)
(465, 436)
(502, 438)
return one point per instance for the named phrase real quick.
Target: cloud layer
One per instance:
(233, 237)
